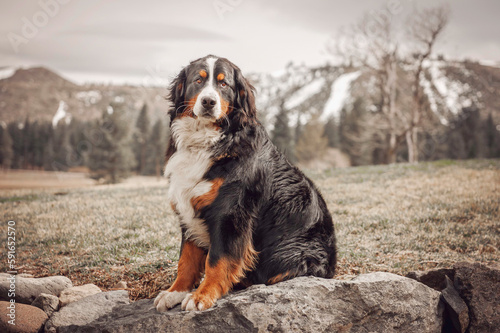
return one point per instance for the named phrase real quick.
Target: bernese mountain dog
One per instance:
(247, 215)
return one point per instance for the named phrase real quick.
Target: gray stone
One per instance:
(434, 278)
(86, 310)
(456, 314)
(74, 294)
(28, 319)
(479, 286)
(48, 303)
(376, 302)
(27, 289)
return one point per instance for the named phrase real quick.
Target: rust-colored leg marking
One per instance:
(280, 277)
(190, 267)
(209, 197)
(220, 278)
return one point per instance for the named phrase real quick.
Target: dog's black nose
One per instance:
(208, 102)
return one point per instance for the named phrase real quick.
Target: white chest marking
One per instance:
(185, 169)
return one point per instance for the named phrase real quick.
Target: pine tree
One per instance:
(298, 131)
(331, 133)
(312, 144)
(457, 146)
(49, 154)
(492, 137)
(468, 135)
(156, 147)
(6, 151)
(62, 148)
(112, 158)
(141, 136)
(281, 134)
(16, 133)
(38, 145)
(356, 139)
(28, 142)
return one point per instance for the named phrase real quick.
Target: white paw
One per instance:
(187, 303)
(168, 299)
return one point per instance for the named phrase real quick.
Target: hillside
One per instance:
(449, 86)
(38, 92)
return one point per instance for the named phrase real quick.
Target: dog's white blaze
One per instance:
(186, 168)
(209, 91)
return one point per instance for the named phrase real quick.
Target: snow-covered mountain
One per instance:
(38, 93)
(41, 94)
(449, 87)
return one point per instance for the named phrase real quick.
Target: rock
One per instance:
(456, 313)
(86, 310)
(434, 278)
(479, 286)
(27, 289)
(28, 318)
(25, 275)
(48, 303)
(73, 294)
(376, 302)
(120, 285)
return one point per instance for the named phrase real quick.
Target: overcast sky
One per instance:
(146, 42)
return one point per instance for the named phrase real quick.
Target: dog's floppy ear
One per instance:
(177, 91)
(245, 98)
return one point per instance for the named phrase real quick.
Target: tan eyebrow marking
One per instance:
(203, 74)
(220, 77)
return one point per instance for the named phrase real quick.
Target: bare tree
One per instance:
(424, 28)
(373, 45)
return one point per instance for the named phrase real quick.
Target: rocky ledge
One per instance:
(460, 299)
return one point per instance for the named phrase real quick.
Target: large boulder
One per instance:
(456, 312)
(74, 294)
(86, 310)
(479, 287)
(376, 302)
(22, 318)
(27, 289)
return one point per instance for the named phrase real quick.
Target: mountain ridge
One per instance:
(450, 86)
(36, 93)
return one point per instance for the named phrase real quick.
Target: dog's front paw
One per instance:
(200, 302)
(168, 299)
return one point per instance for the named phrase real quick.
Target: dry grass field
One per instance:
(394, 218)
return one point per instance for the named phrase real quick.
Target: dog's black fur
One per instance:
(264, 201)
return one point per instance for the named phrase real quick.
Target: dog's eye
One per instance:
(223, 84)
(198, 81)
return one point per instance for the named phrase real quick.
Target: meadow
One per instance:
(395, 218)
